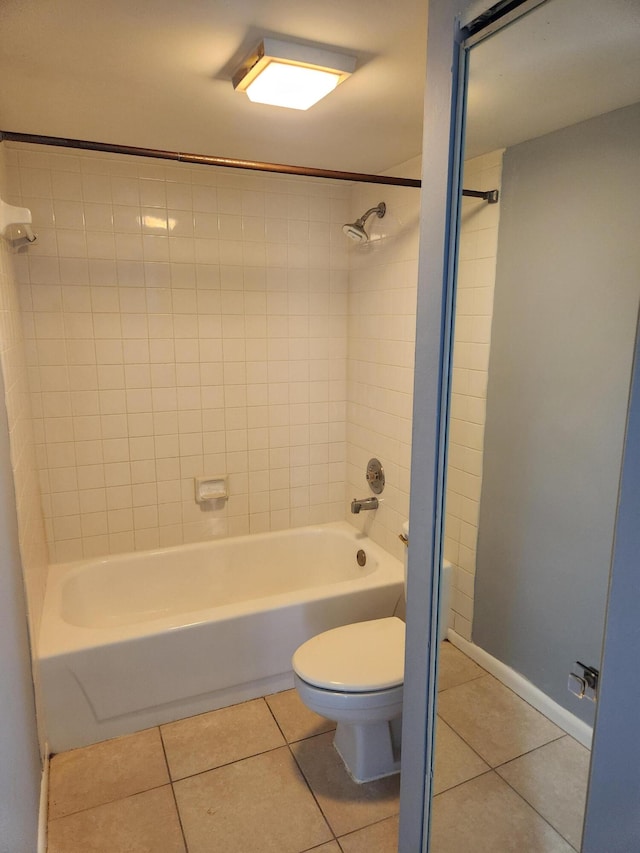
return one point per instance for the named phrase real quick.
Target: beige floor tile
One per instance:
(486, 816)
(294, 718)
(455, 761)
(219, 737)
(144, 823)
(258, 805)
(494, 721)
(331, 847)
(380, 838)
(346, 804)
(554, 780)
(107, 771)
(455, 668)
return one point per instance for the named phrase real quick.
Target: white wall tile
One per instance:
(164, 348)
(479, 241)
(382, 303)
(19, 273)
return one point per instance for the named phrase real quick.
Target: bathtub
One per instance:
(137, 640)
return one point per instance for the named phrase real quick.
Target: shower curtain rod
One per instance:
(207, 160)
(227, 162)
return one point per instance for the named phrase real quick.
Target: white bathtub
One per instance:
(136, 640)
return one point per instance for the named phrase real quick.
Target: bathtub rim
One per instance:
(58, 637)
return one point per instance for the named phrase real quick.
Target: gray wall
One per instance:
(19, 757)
(566, 299)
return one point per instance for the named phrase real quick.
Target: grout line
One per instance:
(226, 763)
(562, 734)
(275, 719)
(308, 737)
(311, 791)
(500, 671)
(464, 683)
(288, 744)
(502, 763)
(184, 837)
(465, 782)
(533, 749)
(229, 763)
(531, 806)
(173, 793)
(360, 829)
(302, 773)
(297, 740)
(494, 769)
(302, 740)
(318, 846)
(111, 802)
(466, 742)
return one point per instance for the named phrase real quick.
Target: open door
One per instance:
(611, 822)
(612, 819)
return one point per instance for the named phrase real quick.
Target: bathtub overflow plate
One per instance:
(361, 557)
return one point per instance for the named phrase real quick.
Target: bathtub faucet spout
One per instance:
(364, 503)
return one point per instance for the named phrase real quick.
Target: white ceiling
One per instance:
(566, 61)
(158, 75)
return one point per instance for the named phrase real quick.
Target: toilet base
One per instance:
(369, 751)
(368, 727)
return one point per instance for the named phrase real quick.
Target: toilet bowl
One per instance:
(354, 675)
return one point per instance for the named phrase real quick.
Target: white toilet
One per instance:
(354, 675)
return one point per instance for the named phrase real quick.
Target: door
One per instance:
(604, 824)
(612, 819)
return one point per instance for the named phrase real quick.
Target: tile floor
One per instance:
(263, 776)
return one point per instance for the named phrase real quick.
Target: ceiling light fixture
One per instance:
(286, 74)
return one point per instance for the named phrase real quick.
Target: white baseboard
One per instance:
(44, 806)
(571, 724)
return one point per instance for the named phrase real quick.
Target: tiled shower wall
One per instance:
(383, 281)
(180, 321)
(33, 549)
(474, 311)
(183, 321)
(382, 317)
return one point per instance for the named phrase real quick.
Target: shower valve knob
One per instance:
(375, 476)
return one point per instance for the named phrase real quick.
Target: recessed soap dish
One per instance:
(211, 488)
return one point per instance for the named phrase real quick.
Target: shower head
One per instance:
(355, 230)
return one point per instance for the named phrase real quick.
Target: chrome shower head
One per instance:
(355, 230)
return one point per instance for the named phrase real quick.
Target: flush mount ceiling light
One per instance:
(286, 74)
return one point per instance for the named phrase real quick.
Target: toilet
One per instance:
(354, 675)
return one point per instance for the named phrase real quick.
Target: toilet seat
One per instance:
(363, 657)
(373, 705)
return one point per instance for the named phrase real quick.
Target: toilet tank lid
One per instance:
(355, 658)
